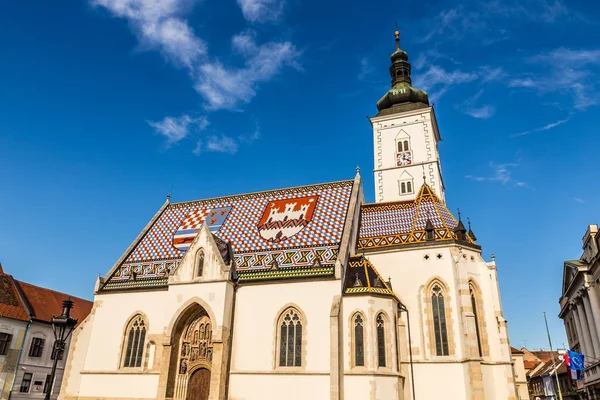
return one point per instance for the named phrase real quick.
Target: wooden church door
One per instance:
(199, 385)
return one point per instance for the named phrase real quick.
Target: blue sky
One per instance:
(109, 105)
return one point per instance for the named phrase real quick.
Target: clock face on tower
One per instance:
(404, 158)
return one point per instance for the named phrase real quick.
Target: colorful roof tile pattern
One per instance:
(362, 277)
(398, 223)
(290, 228)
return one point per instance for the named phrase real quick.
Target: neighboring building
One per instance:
(518, 359)
(580, 309)
(286, 294)
(546, 369)
(14, 321)
(27, 338)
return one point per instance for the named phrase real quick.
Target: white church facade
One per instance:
(305, 293)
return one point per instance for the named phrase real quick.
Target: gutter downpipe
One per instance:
(19, 359)
(402, 307)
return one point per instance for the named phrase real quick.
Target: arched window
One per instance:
(380, 322)
(136, 337)
(290, 339)
(400, 147)
(406, 145)
(439, 321)
(403, 187)
(475, 313)
(359, 341)
(200, 262)
(409, 187)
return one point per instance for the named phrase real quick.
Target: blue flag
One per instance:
(576, 361)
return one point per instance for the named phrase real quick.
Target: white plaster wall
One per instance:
(257, 309)
(160, 308)
(399, 266)
(288, 387)
(441, 381)
(495, 382)
(419, 127)
(79, 354)
(119, 385)
(371, 387)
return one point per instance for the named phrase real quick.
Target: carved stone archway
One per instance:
(191, 356)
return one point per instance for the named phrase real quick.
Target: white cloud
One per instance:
(579, 200)
(565, 71)
(546, 127)
(438, 80)
(365, 68)
(175, 129)
(473, 18)
(225, 88)
(158, 26)
(216, 143)
(500, 173)
(261, 10)
(484, 112)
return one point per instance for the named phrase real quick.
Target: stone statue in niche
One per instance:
(183, 367)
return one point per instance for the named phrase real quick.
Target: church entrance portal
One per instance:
(199, 385)
(194, 357)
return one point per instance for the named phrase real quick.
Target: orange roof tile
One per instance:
(10, 303)
(46, 303)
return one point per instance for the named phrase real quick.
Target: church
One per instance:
(306, 292)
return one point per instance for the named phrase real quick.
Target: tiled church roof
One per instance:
(10, 302)
(362, 277)
(404, 222)
(289, 228)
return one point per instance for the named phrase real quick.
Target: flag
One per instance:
(548, 386)
(576, 361)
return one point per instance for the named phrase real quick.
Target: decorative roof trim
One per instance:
(286, 273)
(362, 266)
(135, 242)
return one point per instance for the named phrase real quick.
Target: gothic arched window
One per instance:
(439, 321)
(403, 187)
(406, 145)
(380, 323)
(290, 338)
(359, 341)
(409, 187)
(135, 337)
(477, 305)
(200, 262)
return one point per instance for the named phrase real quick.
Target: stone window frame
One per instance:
(402, 137)
(125, 338)
(352, 343)
(475, 291)
(277, 339)
(7, 341)
(429, 318)
(387, 338)
(199, 270)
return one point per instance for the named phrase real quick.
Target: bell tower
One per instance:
(405, 138)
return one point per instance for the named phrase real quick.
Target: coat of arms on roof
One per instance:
(189, 228)
(283, 219)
